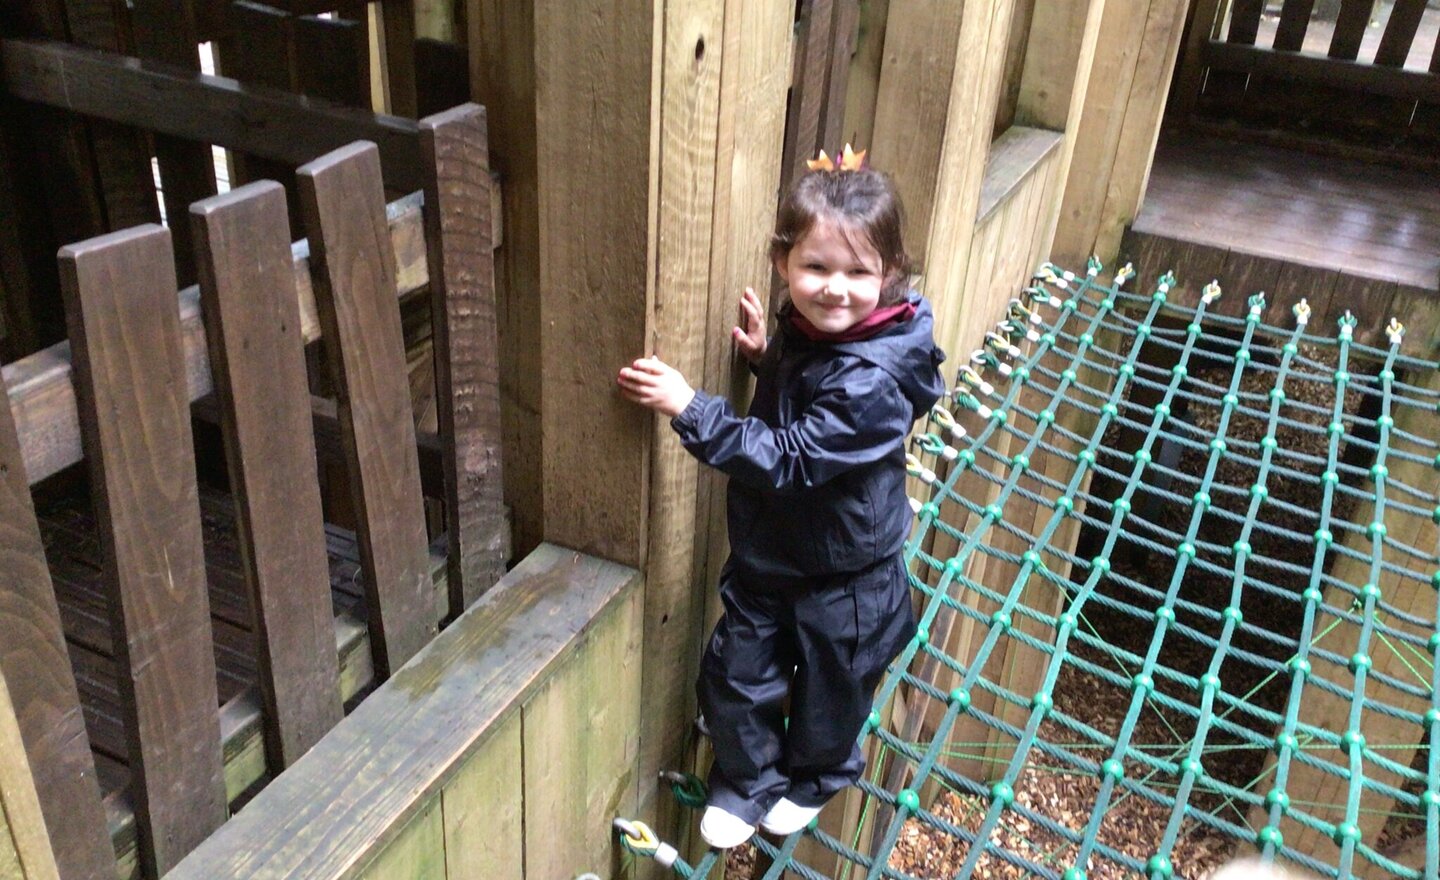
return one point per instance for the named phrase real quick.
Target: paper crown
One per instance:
(849, 161)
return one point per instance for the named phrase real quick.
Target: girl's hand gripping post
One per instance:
(749, 335)
(653, 383)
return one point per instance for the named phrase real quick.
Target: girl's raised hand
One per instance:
(749, 336)
(653, 383)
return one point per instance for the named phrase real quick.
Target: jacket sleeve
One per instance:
(858, 416)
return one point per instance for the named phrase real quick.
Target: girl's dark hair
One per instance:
(862, 201)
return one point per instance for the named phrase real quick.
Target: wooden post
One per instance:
(247, 286)
(502, 78)
(25, 848)
(462, 310)
(46, 706)
(135, 420)
(343, 201)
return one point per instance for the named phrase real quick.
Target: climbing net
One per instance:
(1176, 573)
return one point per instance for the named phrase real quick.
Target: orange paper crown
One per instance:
(849, 161)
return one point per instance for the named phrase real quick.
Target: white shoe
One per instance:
(787, 817)
(723, 829)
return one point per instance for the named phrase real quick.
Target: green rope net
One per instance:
(1176, 574)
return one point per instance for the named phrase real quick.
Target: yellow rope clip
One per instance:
(1395, 330)
(637, 837)
(1211, 293)
(1302, 312)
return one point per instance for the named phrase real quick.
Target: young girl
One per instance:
(815, 590)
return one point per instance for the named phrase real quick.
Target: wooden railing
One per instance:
(119, 391)
(1306, 86)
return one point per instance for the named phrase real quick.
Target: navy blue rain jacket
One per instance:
(817, 470)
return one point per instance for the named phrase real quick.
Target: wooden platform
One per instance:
(73, 551)
(1347, 235)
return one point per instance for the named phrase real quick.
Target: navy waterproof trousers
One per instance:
(825, 642)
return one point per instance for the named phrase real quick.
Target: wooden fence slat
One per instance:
(165, 30)
(814, 47)
(257, 50)
(1294, 22)
(344, 207)
(1400, 32)
(398, 18)
(33, 659)
(247, 290)
(1244, 21)
(135, 420)
(332, 59)
(1350, 28)
(455, 146)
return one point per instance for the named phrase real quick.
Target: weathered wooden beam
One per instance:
(51, 730)
(247, 286)
(342, 199)
(411, 738)
(462, 312)
(210, 109)
(41, 390)
(1370, 79)
(134, 416)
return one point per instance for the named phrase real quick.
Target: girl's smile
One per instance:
(834, 279)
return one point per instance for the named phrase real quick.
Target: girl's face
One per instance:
(834, 279)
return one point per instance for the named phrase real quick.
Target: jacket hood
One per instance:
(908, 353)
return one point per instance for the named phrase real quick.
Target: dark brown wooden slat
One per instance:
(844, 34)
(164, 30)
(803, 130)
(1244, 21)
(1350, 28)
(1294, 22)
(211, 109)
(1400, 32)
(247, 290)
(442, 75)
(344, 206)
(462, 289)
(332, 60)
(134, 415)
(257, 50)
(398, 23)
(34, 664)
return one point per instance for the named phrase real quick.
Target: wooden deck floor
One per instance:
(1361, 219)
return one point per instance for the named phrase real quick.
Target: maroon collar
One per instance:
(871, 325)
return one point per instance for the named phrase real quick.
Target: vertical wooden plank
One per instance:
(1350, 28)
(418, 853)
(912, 104)
(247, 291)
(805, 128)
(594, 62)
(1144, 111)
(399, 20)
(1368, 299)
(483, 809)
(135, 423)
(332, 59)
(844, 34)
(25, 847)
(462, 309)
(1400, 30)
(51, 730)
(580, 752)
(344, 207)
(1014, 65)
(974, 92)
(692, 47)
(1294, 21)
(442, 75)
(1244, 21)
(502, 78)
(165, 31)
(863, 82)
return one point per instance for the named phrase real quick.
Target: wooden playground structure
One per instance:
(327, 548)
